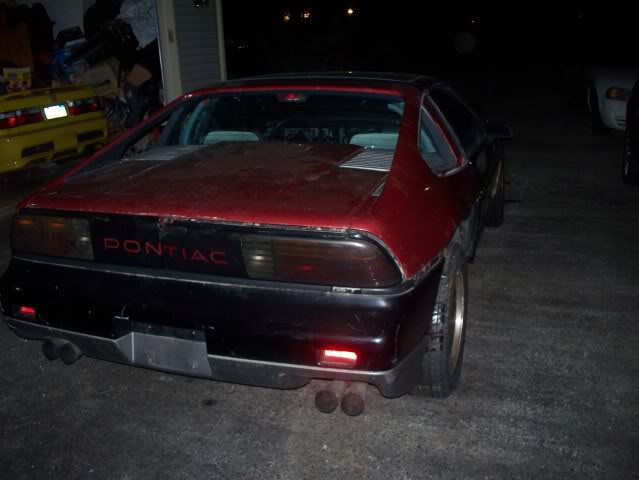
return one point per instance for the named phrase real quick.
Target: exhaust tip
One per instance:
(326, 402)
(51, 349)
(69, 353)
(328, 398)
(354, 400)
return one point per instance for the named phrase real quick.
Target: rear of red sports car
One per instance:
(267, 233)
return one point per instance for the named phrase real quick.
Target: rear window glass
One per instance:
(370, 121)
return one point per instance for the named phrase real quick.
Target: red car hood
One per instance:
(264, 183)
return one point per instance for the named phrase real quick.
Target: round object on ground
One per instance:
(50, 349)
(328, 398)
(354, 400)
(69, 353)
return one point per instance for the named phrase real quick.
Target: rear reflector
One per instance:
(338, 358)
(55, 236)
(27, 311)
(352, 356)
(345, 262)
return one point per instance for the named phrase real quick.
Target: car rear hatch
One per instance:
(269, 211)
(268, 183)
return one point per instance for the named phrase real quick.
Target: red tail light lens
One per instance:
(27, 311)
(20, 117)
(87, 105)
(347, 262)
(58, 237)
(337, 358)
(8, 120)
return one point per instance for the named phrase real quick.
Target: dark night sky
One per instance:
(403, 36)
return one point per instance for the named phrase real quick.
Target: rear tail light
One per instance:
(54, 236)
(87, 105)
(618, 93)
(337, 358)
(19, 118)
(341, 263)
(347, 262)
(26, 312)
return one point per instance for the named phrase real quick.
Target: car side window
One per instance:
(433, 147)
(462, 120)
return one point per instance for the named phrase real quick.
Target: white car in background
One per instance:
(608, 95)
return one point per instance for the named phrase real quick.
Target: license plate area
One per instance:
(55, 111)
(172, 354)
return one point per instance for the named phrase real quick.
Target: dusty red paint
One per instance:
(298, 185)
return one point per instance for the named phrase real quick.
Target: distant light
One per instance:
(472, 21)
(350, 11)
(306, 14)
(287, 16)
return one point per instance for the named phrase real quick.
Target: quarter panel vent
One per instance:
(375, 160)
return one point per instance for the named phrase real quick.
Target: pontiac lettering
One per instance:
(158, 249)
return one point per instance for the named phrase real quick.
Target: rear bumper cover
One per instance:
(189, 357)
(63, 139)
(257, 333)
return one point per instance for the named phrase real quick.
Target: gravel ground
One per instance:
(550, 387)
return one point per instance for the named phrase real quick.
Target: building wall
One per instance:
(65, 13)
(197, 39)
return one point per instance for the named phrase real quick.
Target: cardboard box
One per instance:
(138, 75)
(103, 78)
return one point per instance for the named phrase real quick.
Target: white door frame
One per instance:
(169, 58)
(221, 43)
(168, 42)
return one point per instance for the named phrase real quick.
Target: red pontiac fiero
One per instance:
(270, 231)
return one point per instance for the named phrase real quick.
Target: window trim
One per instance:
(427, 105)
(450, 91)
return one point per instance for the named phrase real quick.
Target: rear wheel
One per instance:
(495, 210)
(630, 167)
(442, 363)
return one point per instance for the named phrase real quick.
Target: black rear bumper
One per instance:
(259, 333)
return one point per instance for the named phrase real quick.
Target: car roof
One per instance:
(346, 78)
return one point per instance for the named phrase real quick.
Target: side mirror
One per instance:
(499, 130)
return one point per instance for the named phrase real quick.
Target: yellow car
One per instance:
(49, 124)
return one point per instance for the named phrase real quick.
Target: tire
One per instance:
(630, 165)
(495, 208)
(442, 363)
(598, 127)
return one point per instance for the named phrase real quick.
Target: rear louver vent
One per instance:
(376, 160)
